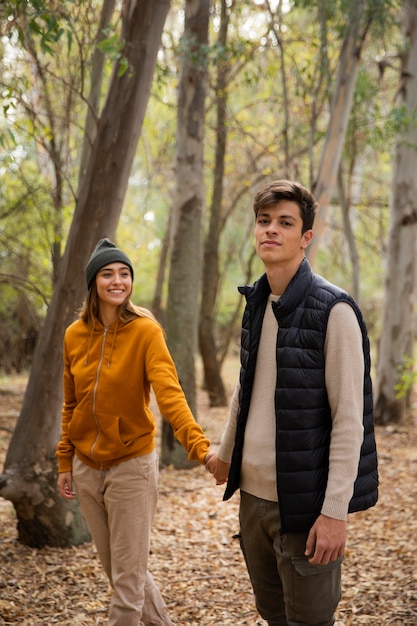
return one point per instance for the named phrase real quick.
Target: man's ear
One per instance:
(306, 238)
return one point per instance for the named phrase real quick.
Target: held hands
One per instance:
(219, 469)
(65, 485)
(326, 540)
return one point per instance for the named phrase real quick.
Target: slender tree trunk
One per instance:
(320, 90)
(284, 105)
(97, 66)
(357, 28)
(29, 478)
(160, 277)
(396, 349)
(207, 342)
(348, 230)
(184, 277)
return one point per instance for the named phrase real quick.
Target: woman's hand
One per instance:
(65, 485)
(219, 469)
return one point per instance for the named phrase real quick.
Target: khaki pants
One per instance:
(119, 505)
(288, 589)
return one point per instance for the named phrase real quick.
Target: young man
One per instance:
(299, 442)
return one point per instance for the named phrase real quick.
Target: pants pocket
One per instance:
(317, 591)
(303, 567)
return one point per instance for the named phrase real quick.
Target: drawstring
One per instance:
(112, 343)
(90, 337)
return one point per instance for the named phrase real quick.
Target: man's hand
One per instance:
(326, 540)
(208, 456)
(218, 468)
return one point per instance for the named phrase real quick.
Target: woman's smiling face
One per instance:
(114, 284)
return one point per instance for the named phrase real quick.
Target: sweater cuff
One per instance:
(64, 464)
(335, 508)
(224, 453)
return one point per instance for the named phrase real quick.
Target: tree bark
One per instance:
(207, 343)
(157, 308)
(97, 66)
(357, 27)
(184, 277)
(345, 204)
(29, 478)
(397, 338)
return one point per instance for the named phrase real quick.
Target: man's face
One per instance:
(278, 233)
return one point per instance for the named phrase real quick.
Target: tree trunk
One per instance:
(349, 234)
(397, 338)
(157, 308)
(207, 342)
(184, 277)
(357, 28)
(97, 66)
(29, 478)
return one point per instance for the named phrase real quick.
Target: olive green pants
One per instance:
(288, 589)
(119, 505)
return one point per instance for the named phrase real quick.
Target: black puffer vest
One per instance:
(302, 408)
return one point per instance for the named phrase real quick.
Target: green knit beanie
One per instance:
(104, 253)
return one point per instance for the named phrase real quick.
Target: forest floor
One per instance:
(194, 558)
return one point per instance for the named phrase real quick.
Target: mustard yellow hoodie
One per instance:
(108, 375)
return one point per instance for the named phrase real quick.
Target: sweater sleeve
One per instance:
(171, 399)
(227, 440)
(65, 450)
(344, 384)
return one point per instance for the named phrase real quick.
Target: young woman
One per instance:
(113, 354)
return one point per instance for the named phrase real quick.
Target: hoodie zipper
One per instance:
(95, 393)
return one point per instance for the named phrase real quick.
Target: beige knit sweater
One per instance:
(344, 384)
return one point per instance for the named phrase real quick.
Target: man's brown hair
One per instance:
(283, 189)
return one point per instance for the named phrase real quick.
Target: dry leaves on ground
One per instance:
(197, 563)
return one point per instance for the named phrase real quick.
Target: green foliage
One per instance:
(402, 122)
(275, 90)
(43, 79)
(19, 328)
(113, 47)
(39, 19)
(407, 378)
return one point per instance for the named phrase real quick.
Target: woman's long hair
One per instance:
(125, 311)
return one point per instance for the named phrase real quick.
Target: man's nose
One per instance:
(272, 227)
